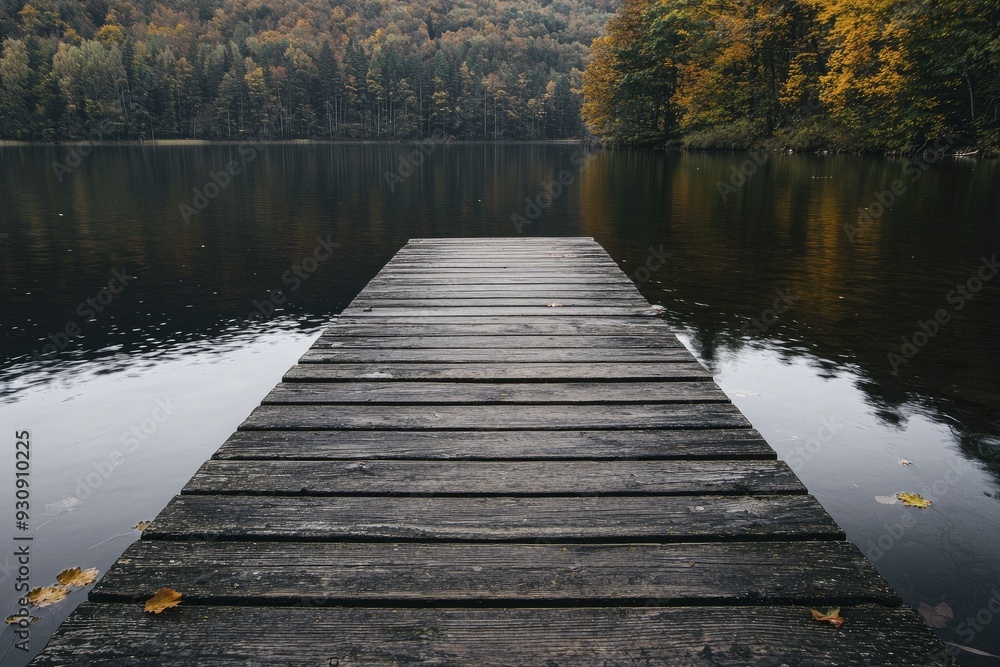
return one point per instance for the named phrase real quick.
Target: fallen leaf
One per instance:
(887, 500)
(16, 620)
(904, 462)
(77, 577)
(554, 304)
(913, 500)
(46, 595)
(165, 598)
(141, 526)
(831, 616)
(936, 617)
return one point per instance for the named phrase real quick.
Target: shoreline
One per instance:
(276, 142)
(964, 152)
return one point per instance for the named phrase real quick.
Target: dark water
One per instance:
(125, 396)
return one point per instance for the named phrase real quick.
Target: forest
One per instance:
(294, 69)
(877, 75)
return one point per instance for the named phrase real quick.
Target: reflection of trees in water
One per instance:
(854, 302)
(893, 398)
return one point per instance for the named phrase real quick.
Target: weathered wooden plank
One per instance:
(493, 372)
(498, 326)
(550, 256)
(542, 272)
(487, 280)
(495, 356)
(494, 417)
(635, 302)
(480, 241)
(496, 445)
(468, 393)
(398, 292)
(498, 311)
(437, 339)
(820, 573)
(721, 636)
(612, 519)
(483, 478)
(490, 259)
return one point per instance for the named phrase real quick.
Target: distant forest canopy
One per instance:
(804, 74)
(285, 69)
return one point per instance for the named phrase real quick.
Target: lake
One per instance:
(849, 306)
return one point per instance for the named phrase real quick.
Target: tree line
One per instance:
(804, 74)
(287, 69)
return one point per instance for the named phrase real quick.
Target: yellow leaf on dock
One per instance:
(165, 598)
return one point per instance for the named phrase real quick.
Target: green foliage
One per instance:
(308, 69)
(851, 74)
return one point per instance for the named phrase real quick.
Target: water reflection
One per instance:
(783, 231)
(729, 258)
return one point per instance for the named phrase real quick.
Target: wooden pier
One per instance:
(496, 455)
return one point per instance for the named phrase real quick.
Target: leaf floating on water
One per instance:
(16, 620)
(165, 598)
(887, 500)
(904, 462)
(831, 616)
(43, 596)
(554, 304)
(141, 526)
(913, 500)
(936, 617)
(77, 577)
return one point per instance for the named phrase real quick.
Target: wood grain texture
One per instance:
(471, 393)
(721, 636)
(818, 573)
(535, 372)
(611, 519)
(731, 444)
(415, 341)
(540, 310)
(494, 417)
(480, 478)
(515, 301)
(587, 355)
(545, 327)
(494, 280)
(554, 292)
